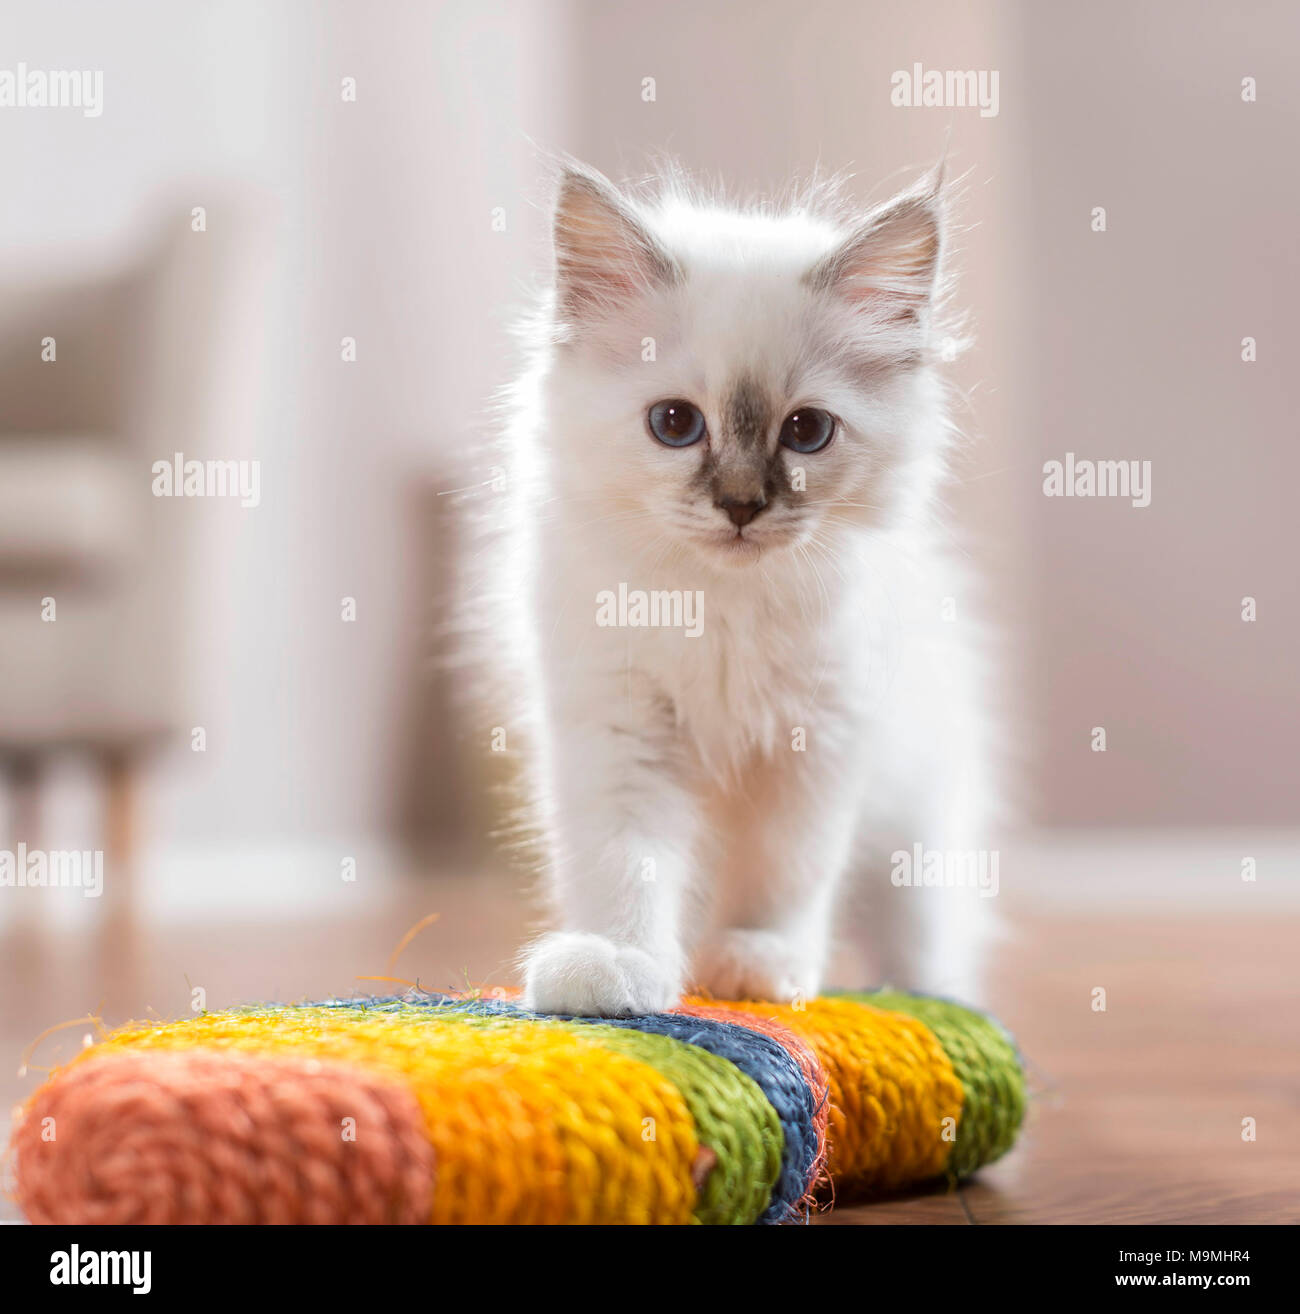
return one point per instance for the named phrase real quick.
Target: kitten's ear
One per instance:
(604, 254)
(889, 265)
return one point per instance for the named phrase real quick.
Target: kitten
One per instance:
(726, 598)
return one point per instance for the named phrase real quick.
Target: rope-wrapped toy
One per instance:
(435, 1108)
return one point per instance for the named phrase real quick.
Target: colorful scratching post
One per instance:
(446, 1109)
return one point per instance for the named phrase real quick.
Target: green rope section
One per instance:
(732, 1118)
(985, 1061)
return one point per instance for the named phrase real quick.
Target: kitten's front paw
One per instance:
(590, 976)
(746, 964)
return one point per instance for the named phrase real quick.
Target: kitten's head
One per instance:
(744, 381)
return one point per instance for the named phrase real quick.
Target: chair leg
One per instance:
(27, 927)
(119, 923)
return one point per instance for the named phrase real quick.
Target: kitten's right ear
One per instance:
(604, 254)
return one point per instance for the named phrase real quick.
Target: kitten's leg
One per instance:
(925, 938)
(930, 932)
(623, 829)
(788, 842)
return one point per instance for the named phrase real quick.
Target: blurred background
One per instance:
(296, 235)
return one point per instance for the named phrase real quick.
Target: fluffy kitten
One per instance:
(739, 409)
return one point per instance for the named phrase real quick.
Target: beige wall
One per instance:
(374, 220)
(1117, 345)
(1135, 351)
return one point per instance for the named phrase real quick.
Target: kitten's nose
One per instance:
(741, 513)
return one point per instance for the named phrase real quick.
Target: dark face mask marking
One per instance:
(736, 471)
(739, 469)
(746, 416)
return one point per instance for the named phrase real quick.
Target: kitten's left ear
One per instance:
(889, 265)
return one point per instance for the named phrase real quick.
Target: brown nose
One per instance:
(741, 513)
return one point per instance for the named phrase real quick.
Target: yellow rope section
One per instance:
(895, 1099)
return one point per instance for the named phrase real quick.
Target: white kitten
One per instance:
(738, 412)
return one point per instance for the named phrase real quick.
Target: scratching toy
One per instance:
(436, 1108)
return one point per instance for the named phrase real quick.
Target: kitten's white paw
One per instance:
(590, 976)
(746, 964)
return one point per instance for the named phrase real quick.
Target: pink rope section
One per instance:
(804, 1055)
(204, 1136)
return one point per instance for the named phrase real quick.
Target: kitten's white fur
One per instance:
(702, 800)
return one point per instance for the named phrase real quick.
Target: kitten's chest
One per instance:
(747, 683)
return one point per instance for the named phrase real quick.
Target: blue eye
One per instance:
(676, 423)
(808, 430)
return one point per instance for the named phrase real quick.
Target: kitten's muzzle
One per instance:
(740, 513)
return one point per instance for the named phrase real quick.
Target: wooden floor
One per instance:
(1136, 1112)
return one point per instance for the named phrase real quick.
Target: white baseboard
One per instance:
(188, 885)
(1093, 871)
(1174, 870)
